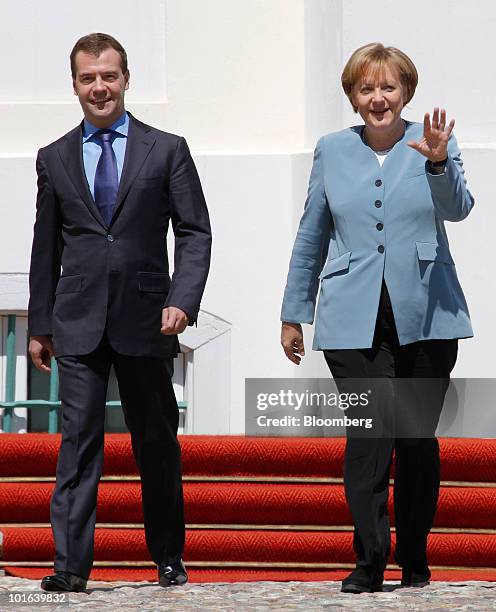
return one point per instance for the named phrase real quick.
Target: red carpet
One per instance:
(253, 546)
(36, 455)
(247, 575)
(246, 503)
(278, 499)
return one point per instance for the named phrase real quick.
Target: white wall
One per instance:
(252, 84)
(472, 246)
(37, 103)
(452, 45)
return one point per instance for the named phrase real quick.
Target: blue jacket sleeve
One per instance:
(452, 199)
(309, 250)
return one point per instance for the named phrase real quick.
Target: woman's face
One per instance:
(379, 98)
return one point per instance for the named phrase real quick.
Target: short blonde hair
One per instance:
(375, 56)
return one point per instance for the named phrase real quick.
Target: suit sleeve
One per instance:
(191, 225)
(44, 271)
(309, 250)
(452, 199)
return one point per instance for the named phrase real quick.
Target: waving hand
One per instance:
(434, 141)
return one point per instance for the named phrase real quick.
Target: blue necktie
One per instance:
(106, 177)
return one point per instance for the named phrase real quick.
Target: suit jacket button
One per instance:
(378, 203)
(110, 238)
(378, 183)
(380, 226)
(380, 248)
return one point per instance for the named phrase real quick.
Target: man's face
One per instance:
(100, 85)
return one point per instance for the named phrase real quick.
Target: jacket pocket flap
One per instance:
(431, 251)
(416, 171)
(69, 284)
(335, 265)
(153, 282)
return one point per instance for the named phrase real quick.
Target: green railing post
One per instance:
(54, 393)
(10, 373)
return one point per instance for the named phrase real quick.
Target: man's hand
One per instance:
(174, 321)
(41, 351)
(292, 341)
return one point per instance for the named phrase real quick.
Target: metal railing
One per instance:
(53, 403)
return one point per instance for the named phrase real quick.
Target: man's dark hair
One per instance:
(94, 44)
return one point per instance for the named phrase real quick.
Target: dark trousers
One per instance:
(417, 467)
(151, 414)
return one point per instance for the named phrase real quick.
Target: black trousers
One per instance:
(417, 466)
(151, 414)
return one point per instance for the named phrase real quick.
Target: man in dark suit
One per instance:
(101, 295)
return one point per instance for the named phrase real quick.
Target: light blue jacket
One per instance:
(363, 222)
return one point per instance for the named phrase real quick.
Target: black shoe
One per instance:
(363, 580)
(170, 575)
(415, 578)
(63, 581)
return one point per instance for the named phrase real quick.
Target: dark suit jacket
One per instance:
(117, 277)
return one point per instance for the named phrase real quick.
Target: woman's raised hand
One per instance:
(434, 141)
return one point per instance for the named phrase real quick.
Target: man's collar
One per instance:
(121, 126)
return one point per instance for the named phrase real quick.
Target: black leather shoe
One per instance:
(171, 575)
(363, 580)
(415, 578)
(63, 581)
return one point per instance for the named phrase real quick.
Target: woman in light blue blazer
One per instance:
(373, 237)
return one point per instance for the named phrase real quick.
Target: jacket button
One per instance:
(110, 238)
(378, 203)
(380, 248)
(380, 226)
(378, 183)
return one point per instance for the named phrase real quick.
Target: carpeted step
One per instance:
(275, 500)
(110, 574)
(471, 460)
(245, 503)
(36, 544)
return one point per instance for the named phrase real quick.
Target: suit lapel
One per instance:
(138, 147)
(71, 155)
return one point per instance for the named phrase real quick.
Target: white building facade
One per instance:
(251, 85)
